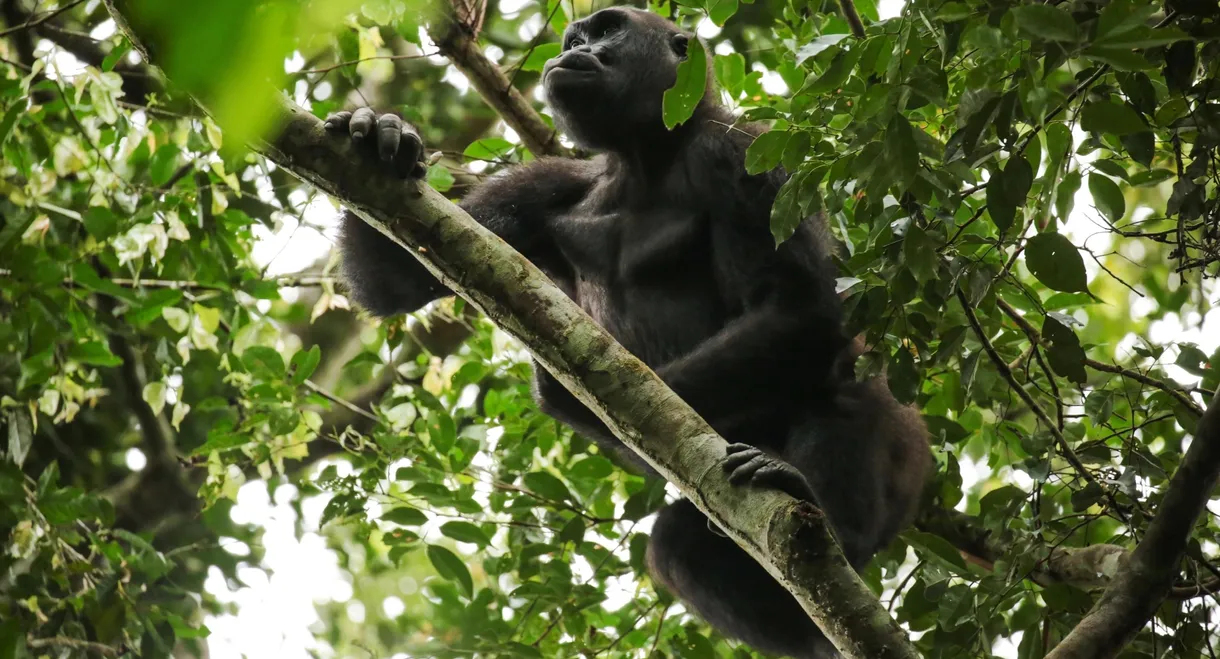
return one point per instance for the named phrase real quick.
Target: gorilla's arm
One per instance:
(515, 205)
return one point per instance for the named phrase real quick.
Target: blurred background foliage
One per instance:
(205, 450)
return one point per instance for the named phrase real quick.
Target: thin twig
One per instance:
(35, 22)
(327, 69)
(63, 642)
(1036, 336)
(340, 401)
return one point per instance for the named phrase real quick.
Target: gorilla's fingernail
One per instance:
(357, 134)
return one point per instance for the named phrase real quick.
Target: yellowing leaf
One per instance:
(154, 395)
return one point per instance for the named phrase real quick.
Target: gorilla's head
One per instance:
(606, 86)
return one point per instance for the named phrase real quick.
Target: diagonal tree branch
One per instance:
(792, 540)
(1136, 592)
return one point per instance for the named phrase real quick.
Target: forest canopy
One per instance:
(207, 449)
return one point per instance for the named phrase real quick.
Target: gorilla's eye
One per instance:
(574, 42)
(607, 31)
(678, 43)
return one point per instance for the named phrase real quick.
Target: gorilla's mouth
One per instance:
(575, 61)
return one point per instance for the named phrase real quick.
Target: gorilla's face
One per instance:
(609, 80)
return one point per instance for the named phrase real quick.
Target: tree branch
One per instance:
(792, 540)
(852, 17)
(495, 88)
(65, 643)
(1002, 366)
(1134, 595)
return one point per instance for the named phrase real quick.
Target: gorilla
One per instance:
(663, 238)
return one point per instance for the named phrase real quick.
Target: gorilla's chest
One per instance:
(647, 277)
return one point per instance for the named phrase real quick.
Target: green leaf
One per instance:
(573, 531)
(1142, 37)
(95, 353)
(87, 277)
(465, 532)
(489, 148)
(730, 72)
(765, 152)
(965, 141)
(834, 76)
(1120, 17)
(1121, 59)
(1006, 191)
(101, 222)
(1065, 355)
(537, 58)
(1054, 260)
(720, 10)
(1065, 195)
(20, 435)
(919, 252)
(1046, 23)
(154, 394)
(10, 119)
(1099, 405)
(680, 101)
(449, 566)
(264, 361)
(1083, 498)
(592, 467)
(303, 364)
(1150, 177)
(163, 163)
(796, 150)
(1111, 117)
(785, 211)
(440, 178)
(404, 515)
(939, 550)
(115, 54)
(953, 11)
(1107, 197)
(901, 152)
(540, 482)
(818, 45)
(12, 639)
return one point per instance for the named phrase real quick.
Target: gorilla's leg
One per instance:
(728, 588)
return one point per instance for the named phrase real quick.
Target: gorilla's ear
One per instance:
(678, 43)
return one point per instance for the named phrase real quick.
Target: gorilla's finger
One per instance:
(738, 448)
(735, 460)
(785, 478)
(409, 160)
(389, 133)
(337, 120)
(746, 471)
(412, 149)
(362, 123)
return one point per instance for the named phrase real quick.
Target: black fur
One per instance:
(663, 239)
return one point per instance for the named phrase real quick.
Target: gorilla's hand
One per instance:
(393, 140)
(748, 464)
